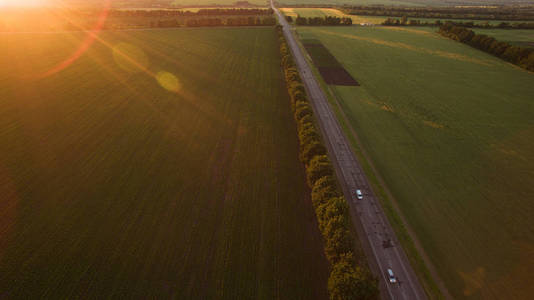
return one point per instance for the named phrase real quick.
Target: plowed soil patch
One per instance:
(337, 76)
(329, 67)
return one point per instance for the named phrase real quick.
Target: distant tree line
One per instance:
(325, 21)
(205, 22)
(250, 21)
(404, 21)
(475, 13)
(349, 279)
(186, 13)
(521, 56)
(210, 22)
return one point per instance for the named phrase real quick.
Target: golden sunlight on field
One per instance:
(130, 58)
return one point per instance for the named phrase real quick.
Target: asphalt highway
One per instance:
(380, 244)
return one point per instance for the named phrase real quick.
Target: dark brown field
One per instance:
(337, 76)
(329, 67)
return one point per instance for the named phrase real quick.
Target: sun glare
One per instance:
(6, 3)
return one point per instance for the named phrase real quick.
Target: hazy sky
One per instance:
(23, 2)
(62, 3)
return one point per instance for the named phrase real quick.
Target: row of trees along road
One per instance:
(325, 21)
(404, 21)
(521, 56)
(187, 13)
(207, 22)
(349, 277)
(509, 13)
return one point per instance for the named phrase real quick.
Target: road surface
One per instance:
(378, 238)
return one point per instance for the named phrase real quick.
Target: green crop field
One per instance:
(521, 37)
(162, 163)
(450, 129)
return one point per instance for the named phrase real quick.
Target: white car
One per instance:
(359, 194)
(391, 276)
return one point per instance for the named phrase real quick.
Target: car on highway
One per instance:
(391, 276)
(359, 194)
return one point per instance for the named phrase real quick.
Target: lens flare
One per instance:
(84, 46)
(130, 58)
(168, 81)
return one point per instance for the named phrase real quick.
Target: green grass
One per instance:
(113, 187)
(450, 130)
(521, 37)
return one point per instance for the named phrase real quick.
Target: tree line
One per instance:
(521, 56)
(475, 13)
(210, 22)
(187, 13)
(349, 279)
(404, 21)
(325, 21)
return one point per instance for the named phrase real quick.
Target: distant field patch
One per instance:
(162, 164)
(312, 12)
(520, 37)
(330, 12)
(430, 33)
(330, 69)
(407, 46)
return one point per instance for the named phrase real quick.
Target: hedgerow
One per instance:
(348, 279)
(521, 56)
